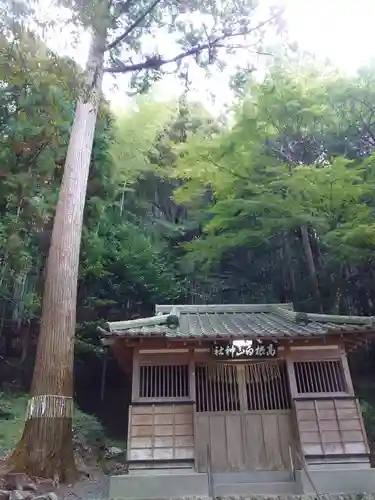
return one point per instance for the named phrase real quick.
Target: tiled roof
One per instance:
(241, 321)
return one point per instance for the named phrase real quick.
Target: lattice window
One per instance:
(267, 386)
(164, 381)
(319, 376)
(217, 388)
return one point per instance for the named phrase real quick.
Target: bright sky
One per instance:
(339, 30)
(336, 29)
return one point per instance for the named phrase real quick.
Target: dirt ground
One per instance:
(93, 488)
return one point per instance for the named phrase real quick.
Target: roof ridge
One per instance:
(219, 308)
(323, 318)
(335, 318)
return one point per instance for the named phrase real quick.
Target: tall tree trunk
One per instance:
(284, 295)
(311, 267)
(288, 259)
(45, 448)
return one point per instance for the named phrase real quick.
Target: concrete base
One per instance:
(162, 485)
(159, 485)
(246, 489)
(256, 482)
(336, 481)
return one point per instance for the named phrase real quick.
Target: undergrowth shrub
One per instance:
(86, 427)
(368, 412)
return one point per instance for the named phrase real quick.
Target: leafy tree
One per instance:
(34, 124)
(276, 189)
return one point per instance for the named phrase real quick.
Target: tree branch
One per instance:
(136, 23)
(154, 62)
(157, 61)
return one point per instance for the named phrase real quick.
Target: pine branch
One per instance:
(136, 23)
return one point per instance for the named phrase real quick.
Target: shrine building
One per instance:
(239, 400)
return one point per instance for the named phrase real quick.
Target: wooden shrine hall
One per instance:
(241, 399)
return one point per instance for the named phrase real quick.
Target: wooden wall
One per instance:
(170, 422)
(331, 427)
(329, 420)
(160, 432)
(244, 441)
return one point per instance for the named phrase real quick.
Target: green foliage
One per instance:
(12, 419)
(368, 413)
(281, 167)
(87, 428)
(36, 110)
(137, 131)
(126, 265)
(183, 208)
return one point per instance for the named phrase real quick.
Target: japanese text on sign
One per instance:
(246, 349)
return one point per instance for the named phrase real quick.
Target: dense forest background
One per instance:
(273, 203)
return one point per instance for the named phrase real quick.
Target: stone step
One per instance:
(158, 486)
(255, 482)
(140, 486)
(259, 476)
(248, 489)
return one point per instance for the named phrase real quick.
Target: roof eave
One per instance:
(363, 330)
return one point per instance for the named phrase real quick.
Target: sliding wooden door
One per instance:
(243, 418)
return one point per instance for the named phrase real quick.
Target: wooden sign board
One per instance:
(246, 349)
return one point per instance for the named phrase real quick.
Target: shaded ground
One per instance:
(93, 488)
(93, 449)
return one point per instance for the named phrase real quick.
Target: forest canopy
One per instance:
(185, 207)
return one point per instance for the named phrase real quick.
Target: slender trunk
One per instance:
(45, 448)
(288, 259)
(26, 334)
(284, 296)
(311, 267)
(338, 283)
(122, 199)
(2, 316)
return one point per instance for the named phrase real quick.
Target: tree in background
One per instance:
(283, 204)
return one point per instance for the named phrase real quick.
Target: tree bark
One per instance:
(45, 448)
(288, 259)
(311, 267)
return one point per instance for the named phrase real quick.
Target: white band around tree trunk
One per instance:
(49, 406)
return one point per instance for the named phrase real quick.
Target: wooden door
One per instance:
(243, 417)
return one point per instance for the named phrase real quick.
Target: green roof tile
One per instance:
(241, 321)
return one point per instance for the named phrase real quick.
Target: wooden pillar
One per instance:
(192, 394)
(135, 376)
(347, 374)
(291, 374)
